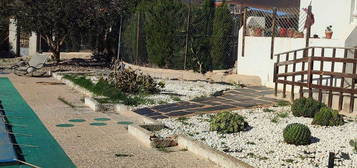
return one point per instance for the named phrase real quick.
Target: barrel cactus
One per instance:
(228, 122)
(328, 117)
(306, 107)
(297, 134)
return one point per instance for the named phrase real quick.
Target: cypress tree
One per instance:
(221, 37)
(201, 31)
(163, 23)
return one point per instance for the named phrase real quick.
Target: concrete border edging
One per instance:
(121, 109)
(72, 85)
(93, 104)
(141, 134)
(209, 153)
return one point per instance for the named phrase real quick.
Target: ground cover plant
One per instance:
(328, 117)
(109, 91)
(228, 122)
(306, 107)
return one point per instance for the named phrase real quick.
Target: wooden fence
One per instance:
(318, 70)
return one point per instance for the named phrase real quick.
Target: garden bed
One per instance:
(173, 91)
(262, 144)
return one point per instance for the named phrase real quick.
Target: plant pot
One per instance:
(328, 35)
(291, 33)
(282, 32)
(298, 35)
(251, 32)
(258, 32)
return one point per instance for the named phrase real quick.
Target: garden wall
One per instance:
(257, 62)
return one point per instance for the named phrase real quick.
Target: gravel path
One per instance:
(180, 90)
(263, 146)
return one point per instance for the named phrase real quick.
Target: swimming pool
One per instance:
(38, 147)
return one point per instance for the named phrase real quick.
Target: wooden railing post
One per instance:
(293, 78)
(244, 30)
(340, 101)
(285, 78)
(352, 99)
(330, 96)
(321, 69)
(273, 33)
(310, 75)
(276, 71)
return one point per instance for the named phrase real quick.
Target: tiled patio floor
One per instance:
(231, 100)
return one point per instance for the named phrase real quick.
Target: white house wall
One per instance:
(257, 62)
(337, 13)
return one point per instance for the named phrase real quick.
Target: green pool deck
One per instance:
(39, 149)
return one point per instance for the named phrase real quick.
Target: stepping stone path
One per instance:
(231, 100)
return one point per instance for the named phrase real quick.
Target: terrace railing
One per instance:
(329, 71)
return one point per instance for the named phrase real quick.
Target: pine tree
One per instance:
(221, 37)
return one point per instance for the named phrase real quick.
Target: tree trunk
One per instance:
(57, 54)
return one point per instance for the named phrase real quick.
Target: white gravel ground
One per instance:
(179, 90)
(263, 145)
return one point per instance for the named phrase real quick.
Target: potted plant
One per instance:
(258, 31)
(282, 32)
(250, 31)
(291, 32)
(298, 34)
(328, 32)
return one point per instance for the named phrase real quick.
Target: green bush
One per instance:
(353, 144)
(306, 107)
(297, 134)
(328, 117)
(228, 122)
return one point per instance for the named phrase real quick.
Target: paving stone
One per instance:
(237, 97)
(268, 99)
(177, 108)
(172, 105)
(179, 113)
(268, 92)
(212, 103)
(144, 111)
(215, 108)
(260, 88)
(257, 102)
(247, 91)
(158, 117)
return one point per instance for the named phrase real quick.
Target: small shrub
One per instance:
(353, 143)
(327, 117)
(282, 103)
(131, 81)
(306, 107)
(297, 134)
(268, 110)
(176, 98)
(283, 115)
(228, 122)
